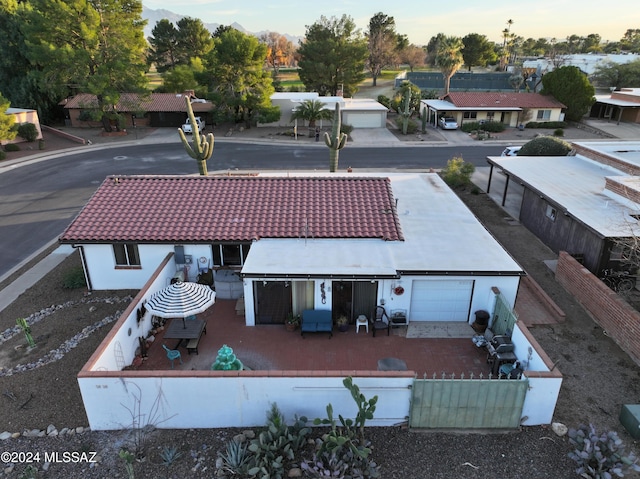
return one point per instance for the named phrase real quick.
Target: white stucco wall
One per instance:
(213, 402)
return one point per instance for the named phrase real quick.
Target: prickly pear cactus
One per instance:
(202, 148)
(335, 141)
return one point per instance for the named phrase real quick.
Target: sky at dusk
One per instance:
(421, 20)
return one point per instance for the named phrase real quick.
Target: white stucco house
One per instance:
(338, 242)
(23, 115)
(342, 242)
(357, 112)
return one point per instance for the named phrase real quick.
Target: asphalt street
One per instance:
(40, 198)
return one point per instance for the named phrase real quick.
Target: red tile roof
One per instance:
(498, 99)
(151, 209)
(132, 102)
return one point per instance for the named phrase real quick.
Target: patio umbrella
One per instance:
(181, 300)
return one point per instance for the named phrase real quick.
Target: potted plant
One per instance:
(292, 322)
(343, 323)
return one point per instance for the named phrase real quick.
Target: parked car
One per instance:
(187, 127)
(447, 123)
(511, 151)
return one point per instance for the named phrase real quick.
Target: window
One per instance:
(126, 254)
(470, 115)
(551, 213)
(230, 254)
(544, 114)
(490, 115)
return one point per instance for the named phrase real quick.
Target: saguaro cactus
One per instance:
(202, 148)
(335, 141)
(407, 112)
(424, 119)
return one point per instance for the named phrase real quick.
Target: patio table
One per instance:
(184, 330)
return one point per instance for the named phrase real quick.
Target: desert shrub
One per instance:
(457, 173)
(546, 124)
(599, 456)
(74, 279)
(346, 129)
(11, 147)
(28, 131)
(429, 94)
(558, 132)
(545, 146)
(490, 126)
(412, 126)
(384, 100)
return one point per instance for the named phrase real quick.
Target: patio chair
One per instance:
(172, 354)
(380, 320)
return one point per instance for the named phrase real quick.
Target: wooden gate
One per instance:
(467, 403)
(504, 317)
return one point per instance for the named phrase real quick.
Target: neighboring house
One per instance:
(622, 105)
(155, 109)
(587, 62)
(579, 204)
(343, 243)
(22, 115)
(357, 112)
(511, 109)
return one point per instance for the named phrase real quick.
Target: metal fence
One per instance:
(448, 403)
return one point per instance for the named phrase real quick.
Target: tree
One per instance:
(382, 42)
(413, 56)
(617, 75)
(332, 56)
(163, 46)
(477, 50)
(545, 146)
(97, 48)
(7, 131)
(184, 77)
(193, 40)
(311, 111)
(571, 87)
(449, 58)
(432, 48)
(279, 50)
(631, 40)
(241, 88)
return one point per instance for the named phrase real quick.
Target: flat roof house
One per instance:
(582, 204)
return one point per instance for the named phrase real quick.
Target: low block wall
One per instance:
(608, 309)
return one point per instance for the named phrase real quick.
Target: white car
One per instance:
(511, 151)
(447, 123)
(187, 127)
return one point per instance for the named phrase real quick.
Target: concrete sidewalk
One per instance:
(33, 275)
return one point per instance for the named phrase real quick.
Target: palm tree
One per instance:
(311, 110)
(449, 58)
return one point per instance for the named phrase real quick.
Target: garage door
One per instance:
(364, 120)
(440, 300)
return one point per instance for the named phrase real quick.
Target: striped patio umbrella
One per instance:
(181, 300)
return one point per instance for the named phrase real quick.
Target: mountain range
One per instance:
(154, 16)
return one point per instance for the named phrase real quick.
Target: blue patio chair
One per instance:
(172, 354)
(191, 318)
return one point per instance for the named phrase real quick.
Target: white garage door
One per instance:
(440, 300)
(364, 120)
